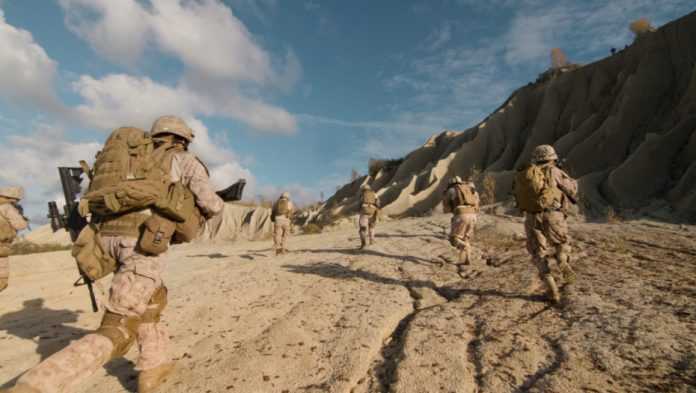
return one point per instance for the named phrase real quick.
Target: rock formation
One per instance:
(626, 126)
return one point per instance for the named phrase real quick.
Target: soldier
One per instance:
(462, 200)
(11, 221)
(282, 211)
(369, 210)
(544, 192)
(137, 294)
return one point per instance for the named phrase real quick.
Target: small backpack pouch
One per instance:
(91, 258)
(157, 233)
(178, 204)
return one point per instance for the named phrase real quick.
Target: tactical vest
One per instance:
(535, 191)
(464, 200)
(369, 203)
(282, 207)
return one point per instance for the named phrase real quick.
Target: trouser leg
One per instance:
(64, 370)
(563, 257)
(4, 272)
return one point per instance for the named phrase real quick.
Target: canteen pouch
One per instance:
(157, 233)
(91, 258)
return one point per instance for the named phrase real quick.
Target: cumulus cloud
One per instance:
(40, 151)
(204, 35)
(27, 73)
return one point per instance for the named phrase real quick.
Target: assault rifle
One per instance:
(70, 219)
(563, 164)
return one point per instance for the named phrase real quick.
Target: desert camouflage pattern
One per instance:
(281, 231)
(133, 285)
(548, 241)
(11, 215)
(12, 192)
(172, 125)
(461, 234)
(367, 221)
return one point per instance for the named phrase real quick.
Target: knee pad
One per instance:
(120, 330)
(157, 303)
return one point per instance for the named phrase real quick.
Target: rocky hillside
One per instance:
(626, 126)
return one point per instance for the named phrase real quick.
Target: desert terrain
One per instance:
(398, 317)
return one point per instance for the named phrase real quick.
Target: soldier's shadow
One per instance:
(50, 331)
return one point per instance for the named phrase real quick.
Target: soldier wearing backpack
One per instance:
(11, 221)
(369, 210)
(145, 191)
(462, 200)
(280, 215)
(545, 192)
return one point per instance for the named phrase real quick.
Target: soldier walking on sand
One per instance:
(281, 215)
(11, 221)
(138, 295)
(462, 200)
(545, 192)
(369, 211)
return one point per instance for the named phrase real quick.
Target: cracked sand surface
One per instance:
(395, 318)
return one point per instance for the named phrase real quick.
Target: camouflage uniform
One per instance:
(367, 221)
(464, 219)
(13, 221)
(547, 232)
(281, 225)
(134, 287)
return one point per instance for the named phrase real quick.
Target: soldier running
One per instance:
(545, 192)
(462, 200)
(369, 211)
(11, 221)
(281, 215)
(138, 295)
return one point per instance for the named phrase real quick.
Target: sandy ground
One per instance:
(397, 317)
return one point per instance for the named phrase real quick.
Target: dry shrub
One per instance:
(558, 58)
(612, 216)
(311, 229)
(488, 194)
(641, 26)
(375, 165)
(25, 247)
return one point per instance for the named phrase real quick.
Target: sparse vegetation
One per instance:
(641, 26)
(488, 192)
(25, 248)
(311, 229)
(558, 58)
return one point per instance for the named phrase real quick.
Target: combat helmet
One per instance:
(544, 153)
(285, 195)
(12, 192)
(365, 187)
(172, 125)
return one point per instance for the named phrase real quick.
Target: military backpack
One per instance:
(534, 189)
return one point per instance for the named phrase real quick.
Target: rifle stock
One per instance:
(71, 220)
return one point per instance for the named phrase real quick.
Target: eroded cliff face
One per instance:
(626, 126)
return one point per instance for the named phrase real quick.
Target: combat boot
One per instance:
(20, 388)
(553, 293)
(150, 380)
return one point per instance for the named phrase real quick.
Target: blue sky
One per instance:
(291, 94)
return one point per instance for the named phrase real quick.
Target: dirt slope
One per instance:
(396, 318)
(626, 124)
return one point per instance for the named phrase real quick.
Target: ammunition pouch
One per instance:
(5, 250)
(156, 235)
(127, 196)
(188, 230)
(465, 209)
(368, 209)
(122, 330)
(91, 258)
(178, 204)
(129, 225)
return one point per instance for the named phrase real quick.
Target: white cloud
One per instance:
(31, 160)
(26, 72)
(204, 35)
(115, 29)
(119, 99)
